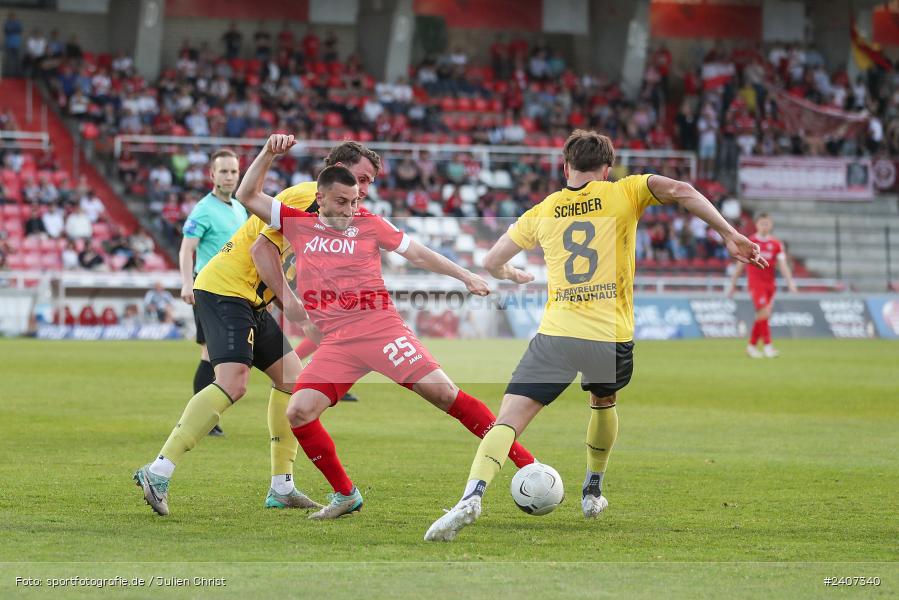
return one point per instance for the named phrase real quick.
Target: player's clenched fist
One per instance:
(476, 285)
(280, 143)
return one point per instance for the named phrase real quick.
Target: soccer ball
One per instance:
(537, 489)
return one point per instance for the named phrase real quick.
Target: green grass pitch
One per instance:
(731, 478)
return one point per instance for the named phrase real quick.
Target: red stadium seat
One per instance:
(333, 119)
(463, 140)
(31, 261)
(51, 261)
(480, 105)
(448, 104)
(11, 211)
(464, 104)
(31, 244)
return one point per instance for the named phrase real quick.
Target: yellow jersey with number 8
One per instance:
(588, 237)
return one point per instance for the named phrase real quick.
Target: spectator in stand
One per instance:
(660, 242)
(262, 40)
(161, 176)
(172, 217)
(329, 47)
(121, 252)
(54, 221)
(232, 40)
(90, 258)
(70, 257)
(128, 167)
(34, 224)
(35, 51)
(142, 244)
(159, 304)
(310, 46)
(286, 39)
(78, 225)
(12, 45)
(73, 49)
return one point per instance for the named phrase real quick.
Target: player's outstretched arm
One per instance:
(738, 270)
(424, 258)
(497, 261)
(671, 191)
(784, 267)
(250, 193)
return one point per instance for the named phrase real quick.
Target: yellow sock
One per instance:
(284, 443)
(601, 434)
(492, 453)
(200, 415)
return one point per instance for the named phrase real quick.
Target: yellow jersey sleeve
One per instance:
(636, 188)
(524, 231)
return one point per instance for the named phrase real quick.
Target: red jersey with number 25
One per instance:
(769, 248)
(339, 278)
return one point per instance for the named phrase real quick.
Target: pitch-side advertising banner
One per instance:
(808, 178)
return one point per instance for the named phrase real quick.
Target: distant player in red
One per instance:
(762, 286)
(342, 291)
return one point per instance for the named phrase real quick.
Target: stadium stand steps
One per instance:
(809, 230)
(13, 92)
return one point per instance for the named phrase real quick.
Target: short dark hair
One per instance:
(588, 151)
(349, 153)
(761, 216)
(335, 174)
(222, 152)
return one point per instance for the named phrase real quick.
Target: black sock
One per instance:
(204, 376)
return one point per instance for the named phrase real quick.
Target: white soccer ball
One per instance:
(537, 489)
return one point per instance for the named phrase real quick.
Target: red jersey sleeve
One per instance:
(281, 211)
(389, 237)
(778, 250)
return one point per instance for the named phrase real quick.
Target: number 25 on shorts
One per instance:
(392, 350)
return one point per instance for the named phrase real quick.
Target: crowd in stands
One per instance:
(60, 224)
(729, 106)
(523, 94)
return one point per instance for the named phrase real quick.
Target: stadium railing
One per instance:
(488, 155)
(24, 140)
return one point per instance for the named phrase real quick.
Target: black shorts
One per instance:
(551, 363)
(236, 333)
(201, 339)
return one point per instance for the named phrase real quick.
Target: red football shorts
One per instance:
(341, 360)
(762, 295)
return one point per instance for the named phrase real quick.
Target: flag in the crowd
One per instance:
(716, 74)
(867, 54)
(803, 117)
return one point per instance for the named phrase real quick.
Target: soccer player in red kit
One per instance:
(343, 293)
(762, 286)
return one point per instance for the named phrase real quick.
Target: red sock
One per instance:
(765, 331)
(306, 348)
(478, 419)
(319, 447)
(755, 333)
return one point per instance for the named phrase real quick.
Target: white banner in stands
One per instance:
(804, 177)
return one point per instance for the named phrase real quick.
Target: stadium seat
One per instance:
(468, 193)
(464, 243)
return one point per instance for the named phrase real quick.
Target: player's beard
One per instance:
(337, 221)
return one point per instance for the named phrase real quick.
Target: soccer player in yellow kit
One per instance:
(232, 292)
(587, 232)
